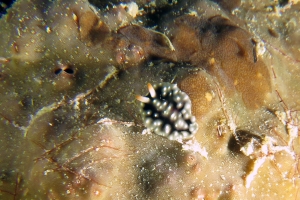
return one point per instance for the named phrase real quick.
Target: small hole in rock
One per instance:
(283, 3)
(233, 145)
(170, 2)
(69, 71)
(57, 71)
(241, 138)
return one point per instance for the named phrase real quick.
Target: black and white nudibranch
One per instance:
(166, 110)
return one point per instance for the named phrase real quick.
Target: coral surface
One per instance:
(70, 124)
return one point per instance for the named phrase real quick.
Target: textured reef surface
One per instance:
(73, 73)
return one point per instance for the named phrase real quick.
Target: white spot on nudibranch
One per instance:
(151, 90)
(143, 99)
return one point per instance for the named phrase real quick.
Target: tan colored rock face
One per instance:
(70, 127)
(226, 51)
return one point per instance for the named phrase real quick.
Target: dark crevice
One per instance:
(69, 71)
(283, 3)
(4, 5)
(57, 71)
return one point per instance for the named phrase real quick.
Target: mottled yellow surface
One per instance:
(70, 127)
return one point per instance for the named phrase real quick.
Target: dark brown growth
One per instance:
(91, 29)
(241, 138)
(226, 52)
(153, 43)
(199, 88)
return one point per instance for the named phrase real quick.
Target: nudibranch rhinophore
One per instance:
(166, 110)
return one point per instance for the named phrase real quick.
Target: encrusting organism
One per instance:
(166, 110)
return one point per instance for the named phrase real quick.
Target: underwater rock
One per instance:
(226, 52)
(91, 29)
(152, 43)
(69, 74)
(201, 90)
(228, 5)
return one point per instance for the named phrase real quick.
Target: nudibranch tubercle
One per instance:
(166, 110)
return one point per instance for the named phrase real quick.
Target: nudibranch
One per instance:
(166, 110)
